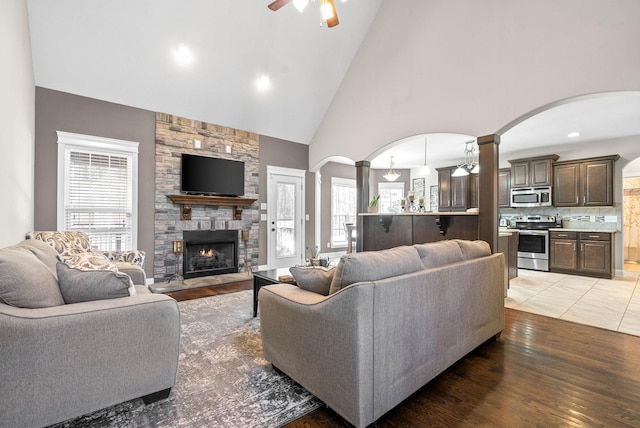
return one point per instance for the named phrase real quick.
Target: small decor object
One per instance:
(244, 234)
(418, 186)
(285, 278)
(178, 248)
(403, 203)
(373, 204)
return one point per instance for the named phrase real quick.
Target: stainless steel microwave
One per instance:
(531, 197)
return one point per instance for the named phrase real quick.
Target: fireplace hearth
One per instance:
(210, 252)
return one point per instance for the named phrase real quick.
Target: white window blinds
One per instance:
(343, 209)
(99, 191)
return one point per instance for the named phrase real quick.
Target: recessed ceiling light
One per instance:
(573, 134)
(263, 83)
(183, 54)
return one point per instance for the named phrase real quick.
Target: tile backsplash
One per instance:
(604, 218)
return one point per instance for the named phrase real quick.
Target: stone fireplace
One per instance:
(209, 252)
(176, 135)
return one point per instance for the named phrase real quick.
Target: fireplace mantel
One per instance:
(236, 202)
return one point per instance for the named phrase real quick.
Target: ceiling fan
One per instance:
(327, 7)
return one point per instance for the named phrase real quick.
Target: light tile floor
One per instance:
(613, 304)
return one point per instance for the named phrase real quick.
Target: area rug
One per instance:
(223, 378)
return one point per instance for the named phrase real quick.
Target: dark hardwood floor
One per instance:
(542, 372)
(213, 290)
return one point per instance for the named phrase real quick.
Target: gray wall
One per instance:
(286, 154)
(59, 111)
(16, 121)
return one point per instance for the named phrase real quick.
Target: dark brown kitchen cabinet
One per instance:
(454, 192)
(563, 251)
(595, 254)
(532, 172)
(474, 191)
(504, 187)
(581, 253)
(584, 182)
(444, 189)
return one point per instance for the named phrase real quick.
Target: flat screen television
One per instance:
(203, 175)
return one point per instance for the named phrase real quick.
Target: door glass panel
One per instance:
(285, 220)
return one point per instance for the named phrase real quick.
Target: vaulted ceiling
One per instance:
(125, 52)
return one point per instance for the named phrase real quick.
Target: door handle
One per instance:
(273, 229)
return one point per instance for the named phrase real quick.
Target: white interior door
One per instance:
(285, 202)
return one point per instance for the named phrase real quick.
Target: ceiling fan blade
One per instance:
(278, 4)
(332, 22)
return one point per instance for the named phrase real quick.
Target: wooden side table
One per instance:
(266, 277)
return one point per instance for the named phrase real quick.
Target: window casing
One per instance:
(98, 189)
(343, 209)
(390, 195)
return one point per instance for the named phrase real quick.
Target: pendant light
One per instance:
(392, 175)
(425, 167)
(469, 165)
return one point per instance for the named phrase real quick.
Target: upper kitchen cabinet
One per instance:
(453, 192)
(531, 172)
(504, 187)
(584, 182)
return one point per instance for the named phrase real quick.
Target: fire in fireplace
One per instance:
(210, 252)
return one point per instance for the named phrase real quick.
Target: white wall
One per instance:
(472, 67)
(17, 112)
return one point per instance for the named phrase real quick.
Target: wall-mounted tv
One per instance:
(203, 175)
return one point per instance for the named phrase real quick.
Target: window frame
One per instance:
(342, 182)
(69, 142)
(385, 185)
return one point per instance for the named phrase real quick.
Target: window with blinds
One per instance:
(343, 209)
(98, 182)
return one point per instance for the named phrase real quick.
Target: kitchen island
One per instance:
(387, 230)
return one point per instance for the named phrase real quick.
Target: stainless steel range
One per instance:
(533, 242)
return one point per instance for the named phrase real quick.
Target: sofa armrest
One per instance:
(133, 256)
(325, 343)
(74, 359)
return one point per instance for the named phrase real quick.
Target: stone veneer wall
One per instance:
(174, 136)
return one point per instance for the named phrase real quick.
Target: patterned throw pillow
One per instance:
(65, 243)
(90, 260)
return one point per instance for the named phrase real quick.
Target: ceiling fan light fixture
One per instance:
(327, 9)
(300, 4)
(392, 175)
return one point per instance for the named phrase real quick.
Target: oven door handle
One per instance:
(534, 232)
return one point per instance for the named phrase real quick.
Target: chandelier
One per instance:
(469, 165)
(392, 175)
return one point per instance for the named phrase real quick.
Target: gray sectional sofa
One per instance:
(392, 321)
(73, 341)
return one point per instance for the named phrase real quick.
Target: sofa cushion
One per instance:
(43, 252)
(78, 285)
(375, 265)
(313, 278)
(474, 249)
(434, 254)
(27, 282)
